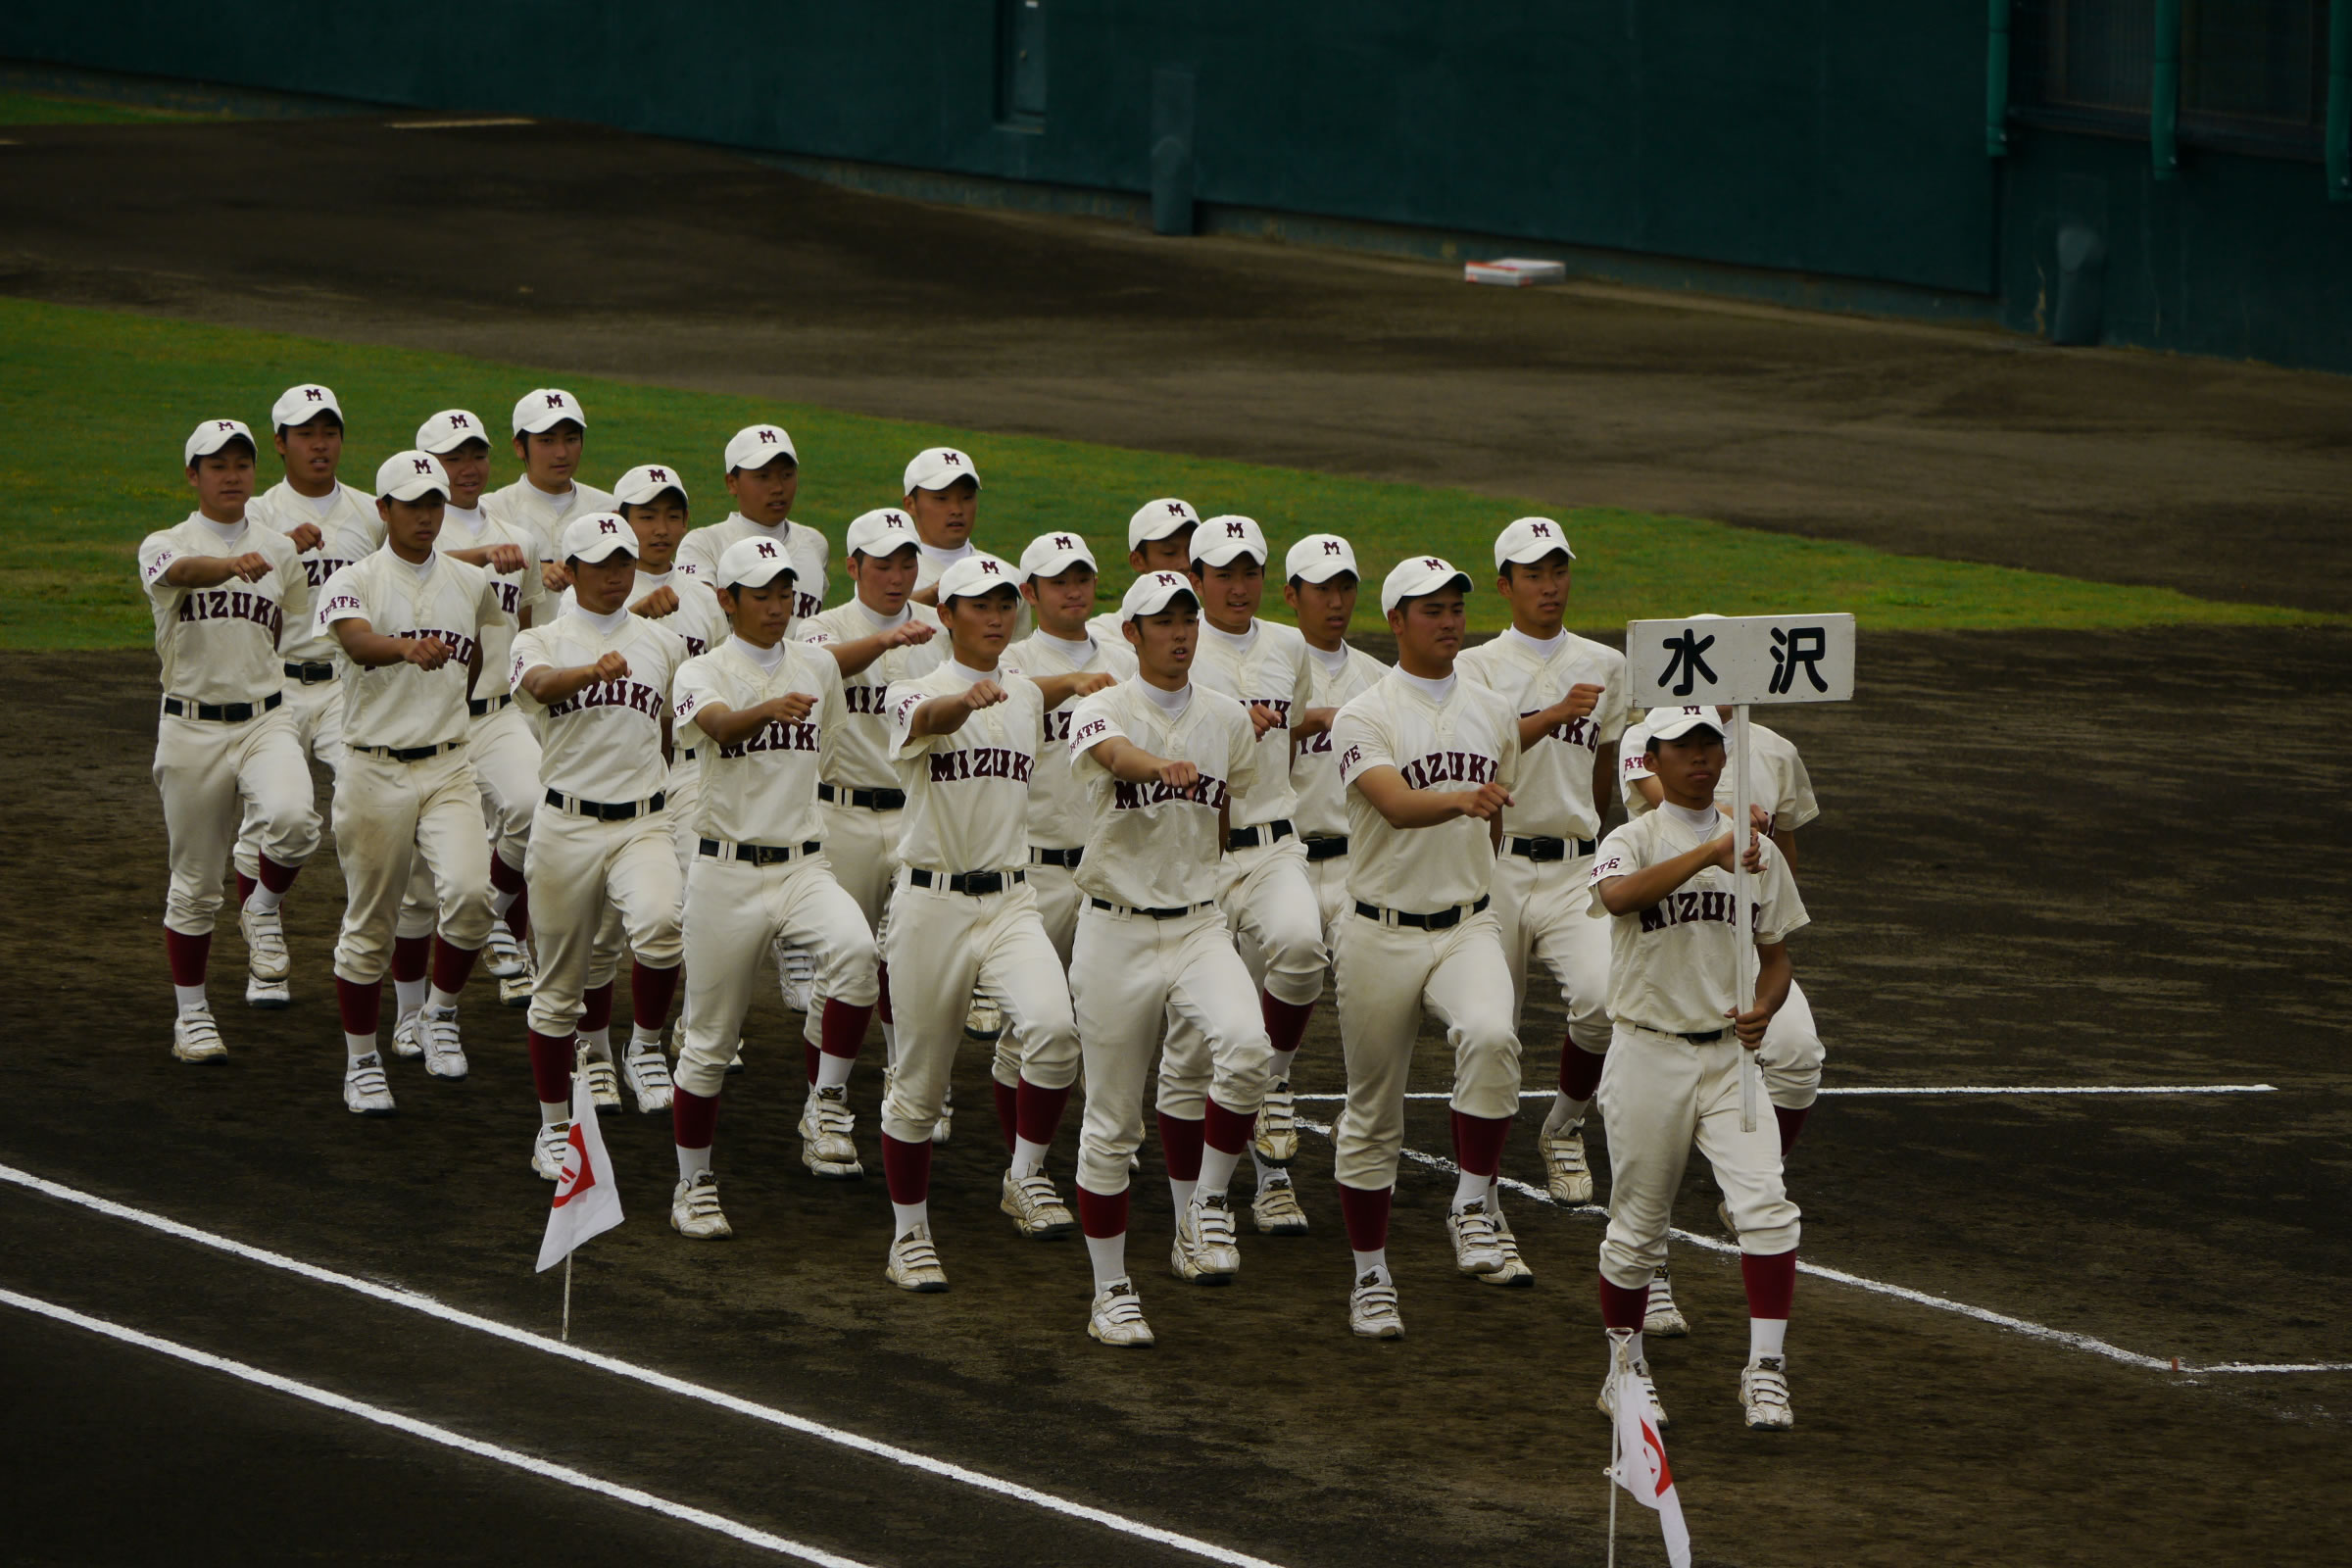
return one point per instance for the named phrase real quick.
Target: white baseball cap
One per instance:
(1673, 724)
(1416, 575)
(1050, 554)
(299, 405)
(1156, 519)
(755, 446)
(1153, 593)
(1221, 539)
(755, 564)
(975, 574)
(884, 531)
(412, 476)
(599, 536)
(451, 429)
(937, 468)
(643, 483)
(543, 408)
(1529, 540)
(1319, 558)
(214, 434)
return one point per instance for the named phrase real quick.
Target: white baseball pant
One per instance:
(213, 775)
(505, 765)
(1791, 1055)
(733, 912)
(1277, 919)
(1058, 903)
(315, 714)
(861, 845)
(1540, 907)
(578, 866)
(1328, 879)
(389, 818)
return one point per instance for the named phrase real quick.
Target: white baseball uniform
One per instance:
(525, 507)
(1429, 942)
(1151, 944)
(1549, 827)
(961, 912)
(759, 872)
(407, 793)
(219, 650)
(807, 548)
(1059, 812)
(1672, 1074)
(1337, 679)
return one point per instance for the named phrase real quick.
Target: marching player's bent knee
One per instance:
(465, 917)
(1046, 1049)
(1005, 1066)
(1768, 1225)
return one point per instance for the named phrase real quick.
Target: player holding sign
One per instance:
(1673, 1070)
(1429, 761)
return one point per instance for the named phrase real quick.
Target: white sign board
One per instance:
(1738, 660)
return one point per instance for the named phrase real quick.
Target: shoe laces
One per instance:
(366, 1074)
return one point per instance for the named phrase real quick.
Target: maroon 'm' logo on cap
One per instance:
(766, 549)
(1167, 579)
(422, 465)
(893, 520)
(1331, 547)
(990, 567)
(315, 394)
(951, 460)
(224, 424)
(1541, 530)
(459, 422)
(1432, 562)
(1062, 541)
(768, 438)
(606, 528)
(555, 400)
(1175, 509)
(657, 475)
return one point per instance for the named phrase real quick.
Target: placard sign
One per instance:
(1738, 660)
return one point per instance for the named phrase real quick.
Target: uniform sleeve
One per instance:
(529, 654)
(1616, 709)
(366, 523)
(832, 714)
(157, 552)
(1472, 666)
(1620, 855)
(1633, 763)
(1779, 912)
(1243, 771)
(810, 629)
(296, 598)
(692, 690)
(1302, 684)
(1797, 805)
(1506, 741)
(342, 599)
(1091, 725)
(1360, 744)
(900, 700)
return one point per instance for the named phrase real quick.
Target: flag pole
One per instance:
(1743, 988)
(1617, 1369)
(566, 1298)
(580, 1066)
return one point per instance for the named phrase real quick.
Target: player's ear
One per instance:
(383, 510)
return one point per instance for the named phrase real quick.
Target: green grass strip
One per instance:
(44, 109)
(97, 403)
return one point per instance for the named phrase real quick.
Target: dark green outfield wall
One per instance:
(1840, 139)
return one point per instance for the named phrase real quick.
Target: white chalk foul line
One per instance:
(430, 1433)
(1901, 1293)
(1957, 1089)
(458, 124)
(734, 1405)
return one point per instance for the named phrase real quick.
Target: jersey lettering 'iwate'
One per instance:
(1058, 813)
(1777, 779)
(1271, 669)
(402, 704)
(863, 761)
(1150, 846)
(760, 789)
(1671, 966)
(1315, 771)
(349, 530)
(1553, 797)
(222, 645)
(805, 546)
(605, 742)
(967, 793)
(518, 591)
(1470, 739)
(526, 508)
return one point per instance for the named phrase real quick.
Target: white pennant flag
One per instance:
(587, 1198)
(1642, 1468)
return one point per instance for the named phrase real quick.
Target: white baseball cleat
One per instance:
(1514, 1270)
(604, 1085)
(1276, 1207)
(264, 932)
(408, 1036)
(983, 1020)
(693, 1209)
(646, 1070)
(1649, 1391)
(502, 955)
(1204, 1251)
(1119, 1316)
(915, 1263)
(272, 993)
(1764, 1392)
(1566, 1175)
(366, 1090)
(1475, 1250)
(942, 1128)
(196, 1038)
(796, 978)
(549, 1144)
(828, 1146)
(1037, 1209)
(1372, 1309)
(1663, 1320)
(514, 990)
(444, 1051)
(1276, 1136)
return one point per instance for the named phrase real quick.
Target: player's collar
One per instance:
(1542, 648)
(1437, 691)
(609, 626)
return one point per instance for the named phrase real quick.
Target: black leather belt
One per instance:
(1330, 846)
(1250, 837)
(484, 707)
(758, 854)
(220, 712)
(974, 883)
(1548, 849)
(685, 754)
(408, 753)
(1707, 1039)
(1443, 920)
(869, 799)
(604, 812)
(1176, 913)
(1067, 860)
(311, 674)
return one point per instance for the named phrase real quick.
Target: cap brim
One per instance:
(1323, 570)
(1226, 551)
(1528, 555)
(756, 580)
(1055, 565)
(1174, 598)
(605, 550)
(542, 427)
(417, 490)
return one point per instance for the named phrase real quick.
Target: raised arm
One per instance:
(1403, 806)
(1641, 890)
(369, 649)
(944, 715)
(1060, 689)
(725, 726)
(1578, 704)
(858, 653)
(211, 571)
(1130, 763)
(548, 685)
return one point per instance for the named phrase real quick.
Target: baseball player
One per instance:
(1268, 896)
(1160, 538)
(764, 714)
(763, 476)
(1671, 1072)
(1429, 761)
(222, 589)
(331, 525)
(407, 792)
(1162, 761)
(966, 736)
(1569, 692)
(551, 431)
(1057, 584)
(595, 683)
